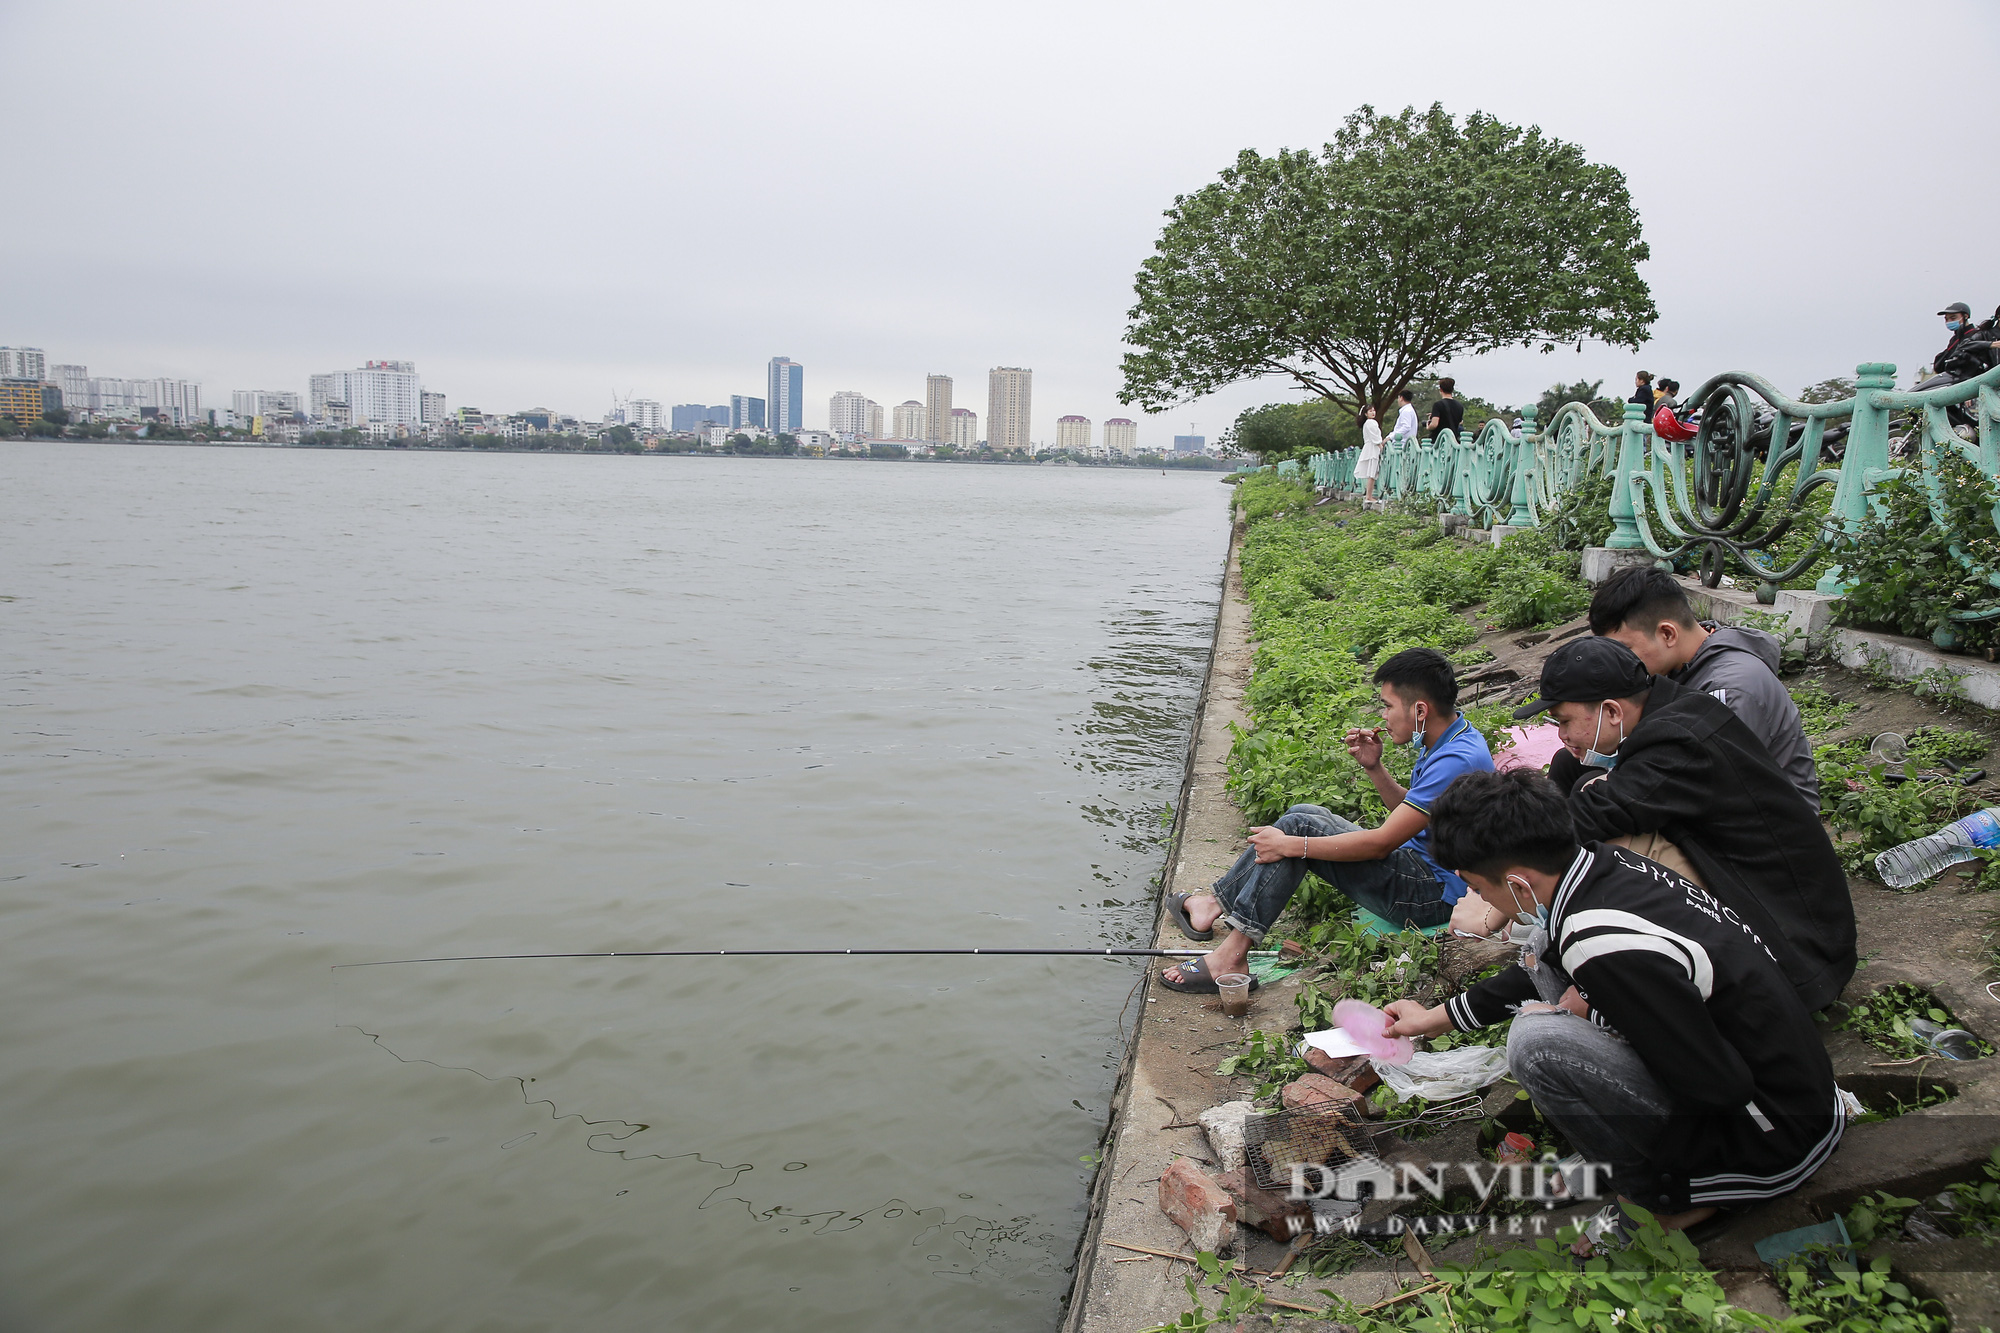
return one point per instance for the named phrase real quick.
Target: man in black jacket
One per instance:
(1645, 755)
(1698, 1077)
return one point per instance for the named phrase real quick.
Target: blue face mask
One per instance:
(1954, 324)
(1592, 756)
(1417, 736)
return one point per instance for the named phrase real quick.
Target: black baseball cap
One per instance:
(1586, 671)
(1956, 308)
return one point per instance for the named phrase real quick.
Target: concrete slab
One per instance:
(1601, 562)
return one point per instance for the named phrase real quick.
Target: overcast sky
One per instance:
(544, 205)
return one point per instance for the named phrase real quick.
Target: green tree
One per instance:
(1583, 391)
(1408, 241)
(1277, 431)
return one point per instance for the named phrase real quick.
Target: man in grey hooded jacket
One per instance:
(1646, 609)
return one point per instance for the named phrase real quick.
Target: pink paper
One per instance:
(1533, 747)
(1364, 1023)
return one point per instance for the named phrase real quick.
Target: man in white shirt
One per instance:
(1406, 420)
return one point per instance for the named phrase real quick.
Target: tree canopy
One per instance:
(1408, 241)
(1277, 431)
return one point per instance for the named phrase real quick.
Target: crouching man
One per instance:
(1697, 1076)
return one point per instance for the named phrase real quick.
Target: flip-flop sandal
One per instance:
(1177, 904)
(1195, 979)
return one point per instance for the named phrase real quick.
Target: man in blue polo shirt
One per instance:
(1387, 870)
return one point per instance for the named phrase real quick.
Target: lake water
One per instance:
(268, 711)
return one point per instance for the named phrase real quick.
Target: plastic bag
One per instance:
(1438, 1076)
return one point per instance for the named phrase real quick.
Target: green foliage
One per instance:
(1820, 712)
(1331, 593)
(1308, 265)
(1830, 1294)
(1262, 494)
(1975, 1204)
(1535, 595)
(1870, 815)
(1931, 747)
(1906, 577)
(1656, 1284)
(1239, 1299)
(1267, 1058)
(1879, 1214)
(1608, 410)
(1278, 431)
(1581, 517)
(1883, 1020)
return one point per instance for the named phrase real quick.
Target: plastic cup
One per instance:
(1233, 988)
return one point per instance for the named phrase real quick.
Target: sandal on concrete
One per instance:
(1195, 979)
(1177, 905)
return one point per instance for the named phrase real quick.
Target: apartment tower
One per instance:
(964, 429)
(1121, 437)
(1007, 408)
(937, 409)
(1073, 434)
(785, 395)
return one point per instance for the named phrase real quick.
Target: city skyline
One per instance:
(663, 298)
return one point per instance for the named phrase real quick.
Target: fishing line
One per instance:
(804, 953)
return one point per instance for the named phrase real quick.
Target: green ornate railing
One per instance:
(1738, 496)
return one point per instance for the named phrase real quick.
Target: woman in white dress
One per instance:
(1370, 462)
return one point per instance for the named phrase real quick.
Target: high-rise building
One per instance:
(1008, 391)
(964, 428)
(1121, 437)
(23, 363)
(786, 391)
(1189, 444)
(643, 414)
(745, 411)
(909, 421)
(20, 398)
(433, 407)
(847, 413)
(874, 420)
(1073, 433)
(937, 409)
(179, 401)
(388, 392)
(74, 381)
(693, 416)
(248, 403)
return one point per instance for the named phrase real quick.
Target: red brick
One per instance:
(1198, 1206)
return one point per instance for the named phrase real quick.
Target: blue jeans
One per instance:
(1399, 888)
(1595, 1089)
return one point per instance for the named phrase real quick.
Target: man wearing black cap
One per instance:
(1958, 322)
(1644, 755)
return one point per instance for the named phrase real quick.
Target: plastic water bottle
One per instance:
(1915, 862)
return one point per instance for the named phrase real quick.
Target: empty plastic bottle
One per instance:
(1914, 862)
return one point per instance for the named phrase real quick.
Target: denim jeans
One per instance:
(1399, 888)
(1593, 1087)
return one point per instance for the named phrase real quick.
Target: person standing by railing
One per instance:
(1642, 393)
(1406, 420)
(1370, 463)
(1447, 412)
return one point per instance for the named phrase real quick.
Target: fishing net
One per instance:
(1330, 1134)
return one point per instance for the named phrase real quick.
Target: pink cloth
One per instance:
(1533, 747)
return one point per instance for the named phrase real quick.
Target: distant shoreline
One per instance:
(1219, 465)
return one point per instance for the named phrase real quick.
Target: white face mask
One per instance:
(1538, 917)
(1592, 756)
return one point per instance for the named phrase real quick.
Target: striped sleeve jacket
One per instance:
(1707, 1006)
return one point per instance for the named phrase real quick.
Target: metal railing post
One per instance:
(1524, 451)
(1631, 457)
(1867, 451)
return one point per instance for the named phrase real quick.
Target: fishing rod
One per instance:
(802, 953)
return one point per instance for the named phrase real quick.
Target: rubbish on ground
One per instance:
(1334, 1042)
(1957, 842)
(1515, 1149)
(1436, 1076)
(1224, 1127)
(1366, 1025)
(1774, 1250)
